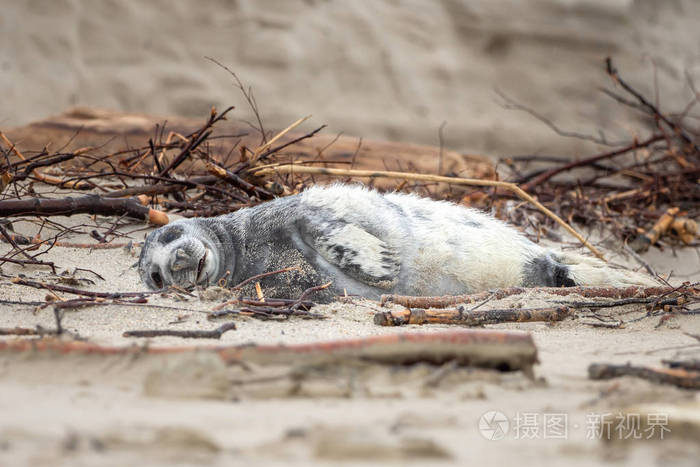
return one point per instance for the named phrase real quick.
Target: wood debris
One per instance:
(505, 351)
(465, 317)
(676, 376)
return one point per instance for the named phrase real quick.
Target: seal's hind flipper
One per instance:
(356, 252)
(546, 271)
(568, 269)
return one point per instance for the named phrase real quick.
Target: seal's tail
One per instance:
(587, 271)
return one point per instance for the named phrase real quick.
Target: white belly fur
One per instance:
(440, 251)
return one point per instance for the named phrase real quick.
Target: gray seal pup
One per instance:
(367, 243)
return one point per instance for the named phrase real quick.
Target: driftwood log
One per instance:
(505, 351)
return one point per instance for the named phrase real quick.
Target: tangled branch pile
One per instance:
(204, 173)
(628, 188)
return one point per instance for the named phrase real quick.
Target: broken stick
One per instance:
(686, 229)
(650, 237)
(19, 331)
(690, 365)
(232, 178)
(74, 291)
(470, 318)
(90, 204)
(191, 334)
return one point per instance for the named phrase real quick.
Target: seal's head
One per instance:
(182, 253)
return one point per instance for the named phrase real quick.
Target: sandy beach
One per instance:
(182, 408)
(451, 87)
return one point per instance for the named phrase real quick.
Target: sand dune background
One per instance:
(378, 69)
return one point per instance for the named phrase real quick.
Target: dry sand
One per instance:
(74, 410)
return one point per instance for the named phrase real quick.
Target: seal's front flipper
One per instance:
(355, 251)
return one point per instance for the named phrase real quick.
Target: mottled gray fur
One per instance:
(367, 244)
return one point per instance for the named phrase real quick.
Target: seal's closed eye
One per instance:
(172, 233)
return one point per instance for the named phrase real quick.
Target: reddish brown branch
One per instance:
(264, 274)
(26, 262)
(588, 292)
(91, 204)
(235, 180)
(612, 71)
(22, 240)
(29, 260)
(19, 331)
(588, 161)
(273, 308)
(195, 140)
(74, 291)
(162, 188)
(308, 292)
(269, 152)
(269, 313)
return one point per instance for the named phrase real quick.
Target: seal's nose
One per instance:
(157, 278)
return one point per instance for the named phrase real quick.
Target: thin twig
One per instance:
(590, 160)
(264, 274)
(654, 110)
(74, 291)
